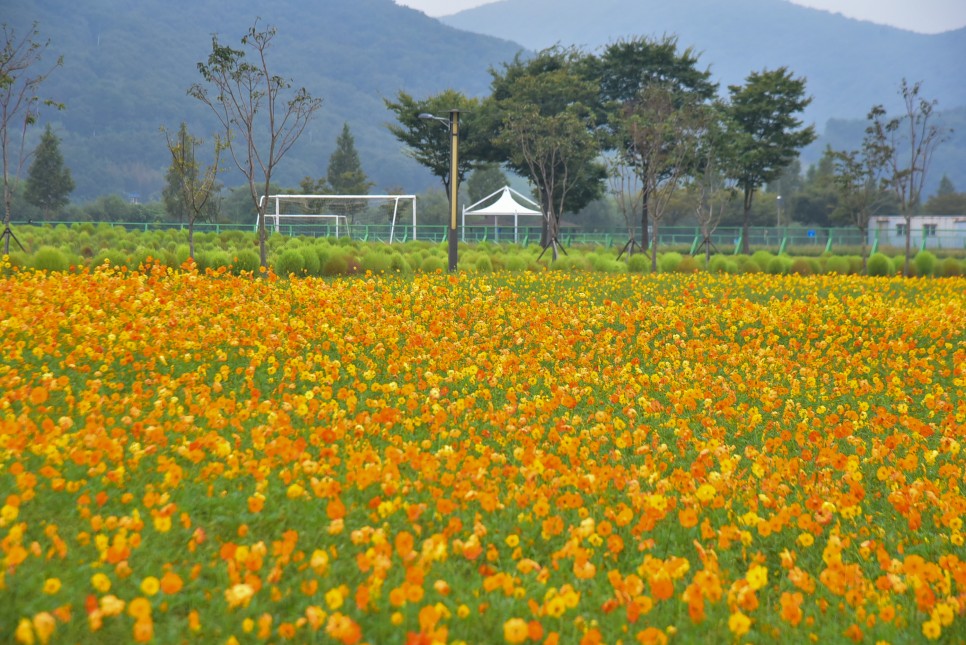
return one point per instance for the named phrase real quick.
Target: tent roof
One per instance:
(505, 205)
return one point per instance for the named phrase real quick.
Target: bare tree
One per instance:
(859, 179)
(907, 143)
(625, 186)
(662, 125)
(197, 186)
(714, 188)
(259, 127)
(558, 150)
(21, 74)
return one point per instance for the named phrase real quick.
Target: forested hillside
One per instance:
(127, 67)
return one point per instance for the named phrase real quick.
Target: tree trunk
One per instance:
(746, 222)
(553, 233)
(654, 249)
(262, 237)
(7, 202)
(191, 239)
(645, 233)
(907, 269)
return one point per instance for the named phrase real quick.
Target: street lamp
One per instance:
(454, 131)
(778, 213)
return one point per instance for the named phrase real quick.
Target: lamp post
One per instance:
(454, 132)
(778, 213)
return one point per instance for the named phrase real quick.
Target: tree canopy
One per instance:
(768, 133)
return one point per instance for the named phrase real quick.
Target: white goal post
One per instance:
(274, 215)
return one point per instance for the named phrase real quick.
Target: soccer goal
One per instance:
(336, 215)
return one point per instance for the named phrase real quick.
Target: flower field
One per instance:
(522, 458)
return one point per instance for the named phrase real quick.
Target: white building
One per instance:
(928, 231)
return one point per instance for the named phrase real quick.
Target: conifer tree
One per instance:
(345, 174)
(49, 183)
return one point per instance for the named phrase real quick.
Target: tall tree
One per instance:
(197, 186)
(484, 181)
(714, 154)
(624, 70)
(259, 126)
(541, 115)
(22, 72)
(49, 183)
(907, 143)
(345, 174)
(665, 131)
(427, 141)
(172, 195)
(768, 135)
(946, 201)
(946, 187)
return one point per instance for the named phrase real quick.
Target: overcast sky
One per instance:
(926, 16)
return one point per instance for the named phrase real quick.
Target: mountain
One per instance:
(850, 65)
(128, 65)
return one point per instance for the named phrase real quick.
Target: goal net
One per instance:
(341, 215)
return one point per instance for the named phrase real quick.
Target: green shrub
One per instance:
(762, 259)
(219, 259)
(323, 252)
(925, 263)
(398, 263)
(49, 258)
(716, 264)
(670, 261)
(376, 261)
(432, 264)
(949, 267)
(639, 263)
(181, 253)
(779, 265)
(289, 262)
(747, 264)
(143, 258)
(879, 264)
(838, 264)
(111, 257)
(899, 265)
(801, 266)
(722, 264)
(335, 264)
(515, 263)
(483, 264)
(593, 261)
(610, 265)
(568, 263)
(202, 259)
(310, 260)
(689, 264)
(17, 259)
(246, 260)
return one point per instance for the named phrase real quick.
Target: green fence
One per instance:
(685, 239)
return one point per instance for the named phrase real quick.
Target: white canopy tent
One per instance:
(504, 205)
